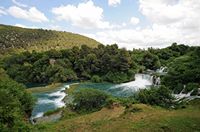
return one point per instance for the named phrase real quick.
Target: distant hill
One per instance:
(17, 39)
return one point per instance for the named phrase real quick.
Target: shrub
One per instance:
(96, 79)
(160, 96)
(191, 86)
(87, 100)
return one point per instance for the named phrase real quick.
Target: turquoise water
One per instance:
(49, 101)
(124, 89)
(53, 99)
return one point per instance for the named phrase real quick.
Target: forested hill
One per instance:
(18, 39)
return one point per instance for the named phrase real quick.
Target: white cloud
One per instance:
(24, 26)
(48, 27)
(157, 36)
(170, 11)
(32, 14)
(170, 21)
(56, 27)
(2, 11)
(181, 16)
(134, 20)
(19, 4)
(114, 2)
(85, 15)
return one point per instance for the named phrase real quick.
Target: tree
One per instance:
(150, 61)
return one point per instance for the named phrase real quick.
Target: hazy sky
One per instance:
(129, 23)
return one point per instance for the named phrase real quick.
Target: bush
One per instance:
(191, 86)
(87, 100)
(160, 96)
(96, 79)
(15, 105)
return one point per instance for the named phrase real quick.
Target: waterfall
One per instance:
(162, 69)
(186, 96)
(141, 81)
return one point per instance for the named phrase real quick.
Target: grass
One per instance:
(16, 39)
(47, 88)
(143, 118)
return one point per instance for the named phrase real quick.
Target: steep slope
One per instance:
(18, 39)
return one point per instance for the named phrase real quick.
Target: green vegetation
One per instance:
(87, 100)
(160, 96)
(15, 105)
(96, 79)
(104, 63)
(184, 70)
(71, 57)
(182, 62)
(16, 39)
(138, 117)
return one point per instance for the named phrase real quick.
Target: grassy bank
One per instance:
(47, 88)
(147, 118)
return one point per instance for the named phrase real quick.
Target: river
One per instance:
(54, 99)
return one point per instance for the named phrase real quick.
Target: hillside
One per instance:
(18, 39)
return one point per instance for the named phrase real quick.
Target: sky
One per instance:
(128, 23)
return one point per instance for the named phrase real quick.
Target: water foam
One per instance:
(40, 114)
(141, 81)
(53, 98)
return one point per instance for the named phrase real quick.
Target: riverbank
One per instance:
(138, 117)
(47, 88)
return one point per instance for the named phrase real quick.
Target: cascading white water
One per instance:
(141, 81)
(50, 100)
(161, 71)
(185, 96)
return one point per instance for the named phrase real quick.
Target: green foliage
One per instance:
(96, 79)
(190, 86)
(160, 96)
(15, 105)
(116, 77)
(110, 101)
(87, 100)
(145, 59)
(85, 63)
(184, 70)
(150, 61)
